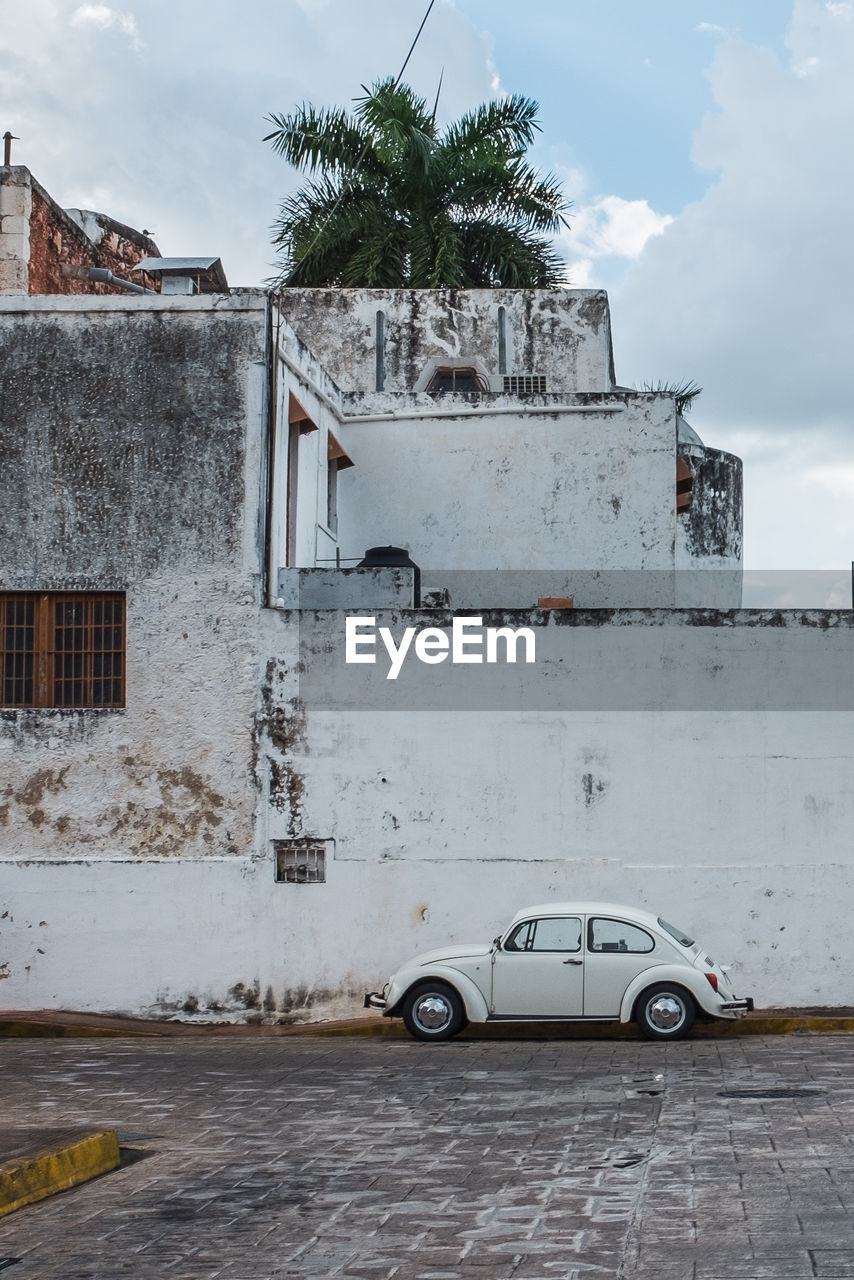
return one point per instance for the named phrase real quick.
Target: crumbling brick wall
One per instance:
(57, 241)
(40, 242)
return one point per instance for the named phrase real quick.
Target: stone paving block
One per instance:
(361, 1159)
(833, 1262)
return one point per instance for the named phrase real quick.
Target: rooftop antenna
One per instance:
(8, 139)
(438, 91)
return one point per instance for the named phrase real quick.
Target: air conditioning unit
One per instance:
(518, 384)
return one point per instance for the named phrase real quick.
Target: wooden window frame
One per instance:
(65, 652)
(299, 424)
(684, 485)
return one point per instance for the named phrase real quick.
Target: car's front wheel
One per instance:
(665, 1012)
(433, 1011)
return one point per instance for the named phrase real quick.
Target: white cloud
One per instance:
(749, 291)
(712, 29)
(607, 228)
(171, 137)
(103, 17)
(798, 487)
(836, 480)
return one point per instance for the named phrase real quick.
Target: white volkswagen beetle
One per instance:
(569, 961)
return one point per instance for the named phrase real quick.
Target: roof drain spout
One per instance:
(103, 276)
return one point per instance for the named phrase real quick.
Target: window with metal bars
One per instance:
(453, 379)
(62, 649)
(300, 861)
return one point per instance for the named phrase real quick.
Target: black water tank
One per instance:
(393, 558)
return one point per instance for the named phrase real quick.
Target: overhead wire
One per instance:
(349, 177)
(414, 43)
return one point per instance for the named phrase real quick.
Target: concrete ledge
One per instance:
(13, 1027)
(43, 1170)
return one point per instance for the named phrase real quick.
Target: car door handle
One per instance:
(573, 962)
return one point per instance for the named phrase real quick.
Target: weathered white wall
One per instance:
(709, 543)
(169, 776)
(118, 475)
(563, 334)
(578, 479)
(220, 939)
(510, 490)
(736, 824)
(759, 868)
(136, 868)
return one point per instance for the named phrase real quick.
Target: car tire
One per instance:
(433, 1011)
(665, 1012)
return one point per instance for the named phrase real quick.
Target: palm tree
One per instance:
(394, 202)
(685, 393)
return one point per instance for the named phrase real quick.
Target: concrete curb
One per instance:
(781, 1025)
(761, 1023)
(12, 1028)
(28, 1178)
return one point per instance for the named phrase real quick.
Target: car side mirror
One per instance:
(496, 943)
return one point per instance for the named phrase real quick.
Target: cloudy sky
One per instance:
(705, 145)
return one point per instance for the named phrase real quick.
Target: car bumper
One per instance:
(735, 1008)
(373, 1000)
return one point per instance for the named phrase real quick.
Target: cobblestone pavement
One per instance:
(562, 1160)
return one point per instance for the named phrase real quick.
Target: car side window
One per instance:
(557, 935)
(616, 935)
(518, 940)
(563, 934)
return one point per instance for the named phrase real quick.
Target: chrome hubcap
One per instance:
(665, 1012)
(432, 1012)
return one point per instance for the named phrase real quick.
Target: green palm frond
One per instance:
(685, 393)
(508, 190)
(378, 260)
(508, 123)
(324, 140)
(390, 202)
(509, 257)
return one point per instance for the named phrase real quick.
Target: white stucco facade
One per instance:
(179, 450)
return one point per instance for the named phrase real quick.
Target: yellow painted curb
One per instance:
(30, 1178)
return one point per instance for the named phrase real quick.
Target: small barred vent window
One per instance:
(462, 381)
(300, 861)
(525, 384)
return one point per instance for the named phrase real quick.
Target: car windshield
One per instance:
(679, 934)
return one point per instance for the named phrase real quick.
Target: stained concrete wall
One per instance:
(575, 480)
(513, 488)
(136, 863)
(709, 540)
(440, 824)
(132, 460)
(561, 334)
(724, 802)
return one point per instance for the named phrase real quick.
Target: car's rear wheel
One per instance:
(433, 1011)
(665, 1012)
